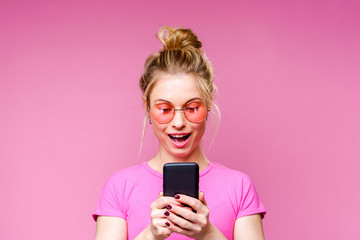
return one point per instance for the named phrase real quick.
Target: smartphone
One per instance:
(182, 178)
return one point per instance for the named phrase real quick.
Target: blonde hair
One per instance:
(181, 53)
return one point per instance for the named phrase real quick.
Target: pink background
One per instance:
(71, 113)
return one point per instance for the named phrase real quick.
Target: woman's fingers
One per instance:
(202, 198)
(184, 212)
(159, 223)
(189, 216)
(160, 195)
(179, 230)
(199, 205)
(162, 202)
(180, 222)
(160, 229)
(157, 213)
(186, 218)
(169, 214)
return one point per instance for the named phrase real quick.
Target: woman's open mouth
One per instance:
(179, 140)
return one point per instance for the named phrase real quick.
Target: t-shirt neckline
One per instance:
(160, 175)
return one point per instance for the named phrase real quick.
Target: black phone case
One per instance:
(182, 178)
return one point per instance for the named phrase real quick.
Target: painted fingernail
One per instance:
(167, 224)
(177, 196)
(168, 207)
(167, 213)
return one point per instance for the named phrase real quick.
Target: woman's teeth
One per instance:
(179, 137)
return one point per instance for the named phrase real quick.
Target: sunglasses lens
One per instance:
(195, 111)
(162, 113)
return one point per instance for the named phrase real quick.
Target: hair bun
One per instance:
(178, 38)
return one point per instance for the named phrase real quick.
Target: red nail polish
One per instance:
(167, 213)
(167, 224)
(168, 207)
(177, 196)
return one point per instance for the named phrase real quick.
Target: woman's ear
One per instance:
(148, 112)
(146, 103)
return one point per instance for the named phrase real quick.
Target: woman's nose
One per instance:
(179, 120)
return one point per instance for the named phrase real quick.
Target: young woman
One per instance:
(178, 88)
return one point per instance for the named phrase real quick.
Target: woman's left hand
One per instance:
(192, 222)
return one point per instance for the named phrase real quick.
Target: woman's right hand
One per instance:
(159, 223)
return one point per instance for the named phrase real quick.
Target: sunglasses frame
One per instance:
(183, 110)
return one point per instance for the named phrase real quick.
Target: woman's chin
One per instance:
(180, 152)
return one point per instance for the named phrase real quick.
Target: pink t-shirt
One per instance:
(129, 192)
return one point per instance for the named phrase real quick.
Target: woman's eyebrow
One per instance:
(161, 100)
(187, 102)
(192, 99)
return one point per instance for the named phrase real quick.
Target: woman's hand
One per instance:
(192, 222)
(159, 226)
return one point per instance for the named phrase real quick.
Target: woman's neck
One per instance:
(163, 157)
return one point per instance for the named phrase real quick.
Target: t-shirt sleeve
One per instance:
(110, 200)
(248, 201)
